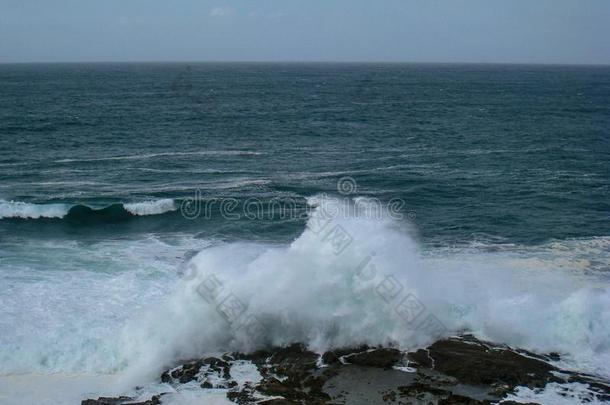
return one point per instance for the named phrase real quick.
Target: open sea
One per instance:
(481, 190)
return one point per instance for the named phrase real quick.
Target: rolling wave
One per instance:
(83, 213)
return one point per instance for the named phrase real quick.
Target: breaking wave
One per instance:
(379, 290)
(348, 279)
(151, 207)
(17, 209)
(84, 213)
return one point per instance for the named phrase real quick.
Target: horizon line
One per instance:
(371, 62)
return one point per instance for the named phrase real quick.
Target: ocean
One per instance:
(481, 192)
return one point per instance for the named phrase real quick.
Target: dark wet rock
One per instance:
(106, 401)
(291, 373)
(187, 372)
(293, 358)
(155, 400)
(219, 366)
(257, 357)
(215, 363)
(384, 358)
(479, 364)
(461, 371)
(330, 358)
(456, 371)
(245, 395)
(276, 401)
(273, 386)
(344, 351)
(190, 371)
(553, 356)
(166, 377)
(601, 388)
(240, 397)
(454, 399)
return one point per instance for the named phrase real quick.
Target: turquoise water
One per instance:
(502, 174)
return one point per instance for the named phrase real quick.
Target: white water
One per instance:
(556, 394)
(154, 207)
(305, 292)
(17, 209)
(125, 310)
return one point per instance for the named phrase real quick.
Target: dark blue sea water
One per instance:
(502, 167)
(513, 152)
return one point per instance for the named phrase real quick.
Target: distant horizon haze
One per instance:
(562, 32)
(298, 62)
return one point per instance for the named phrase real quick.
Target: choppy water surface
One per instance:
(502, 227)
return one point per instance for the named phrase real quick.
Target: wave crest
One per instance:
(18, 209)
(80, 213)
(155, 207)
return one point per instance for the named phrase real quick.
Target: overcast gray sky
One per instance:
(516, 31)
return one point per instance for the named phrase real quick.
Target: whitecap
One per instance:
(18, 209)
(154, 207)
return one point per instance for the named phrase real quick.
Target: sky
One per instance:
(486, 31)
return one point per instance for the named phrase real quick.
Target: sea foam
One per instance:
(244, 296)
(23, 210)
(141, 317)
(18, 209)
(154, 207)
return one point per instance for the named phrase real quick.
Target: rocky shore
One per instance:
(461, 370)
